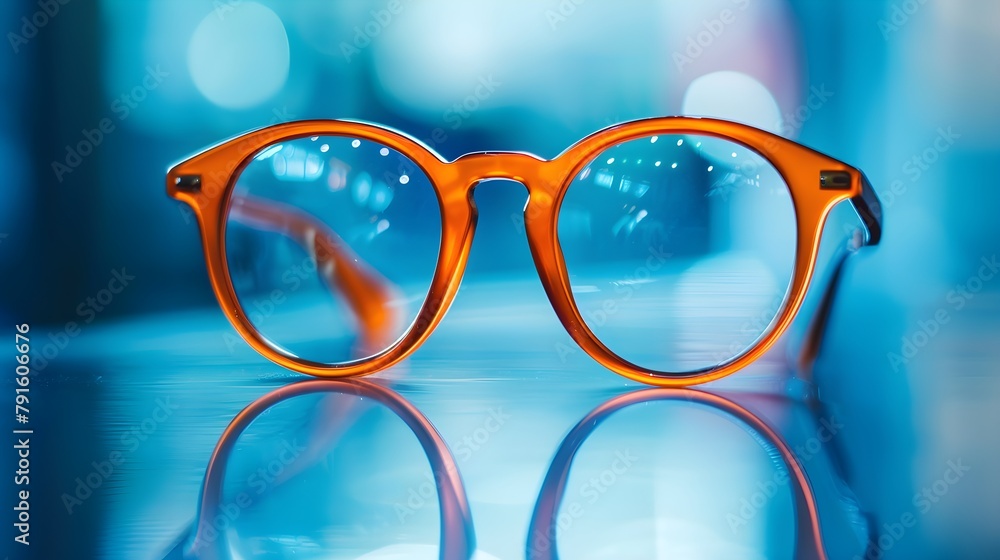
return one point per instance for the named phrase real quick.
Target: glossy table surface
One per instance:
(499, 436)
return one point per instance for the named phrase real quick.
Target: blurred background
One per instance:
(100, 97)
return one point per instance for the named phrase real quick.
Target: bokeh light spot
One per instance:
(240, 60)
(733, 96)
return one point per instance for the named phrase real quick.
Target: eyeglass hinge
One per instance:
(835, 180)
(188, 183)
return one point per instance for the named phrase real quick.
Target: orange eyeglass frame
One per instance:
(816, 182)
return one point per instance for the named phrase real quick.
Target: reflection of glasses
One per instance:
(674, 250)
(809, 542)
(206, 538)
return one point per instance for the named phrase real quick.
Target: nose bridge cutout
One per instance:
(506, 197)
(500, 244)
(496, 182)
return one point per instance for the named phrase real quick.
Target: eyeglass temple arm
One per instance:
(869, 209)
(367, 292)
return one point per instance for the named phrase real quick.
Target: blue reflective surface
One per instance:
(343, 477)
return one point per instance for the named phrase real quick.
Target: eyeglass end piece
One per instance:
(835, 180)
(188, 183)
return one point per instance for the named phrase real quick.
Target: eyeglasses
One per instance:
(674, 250)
